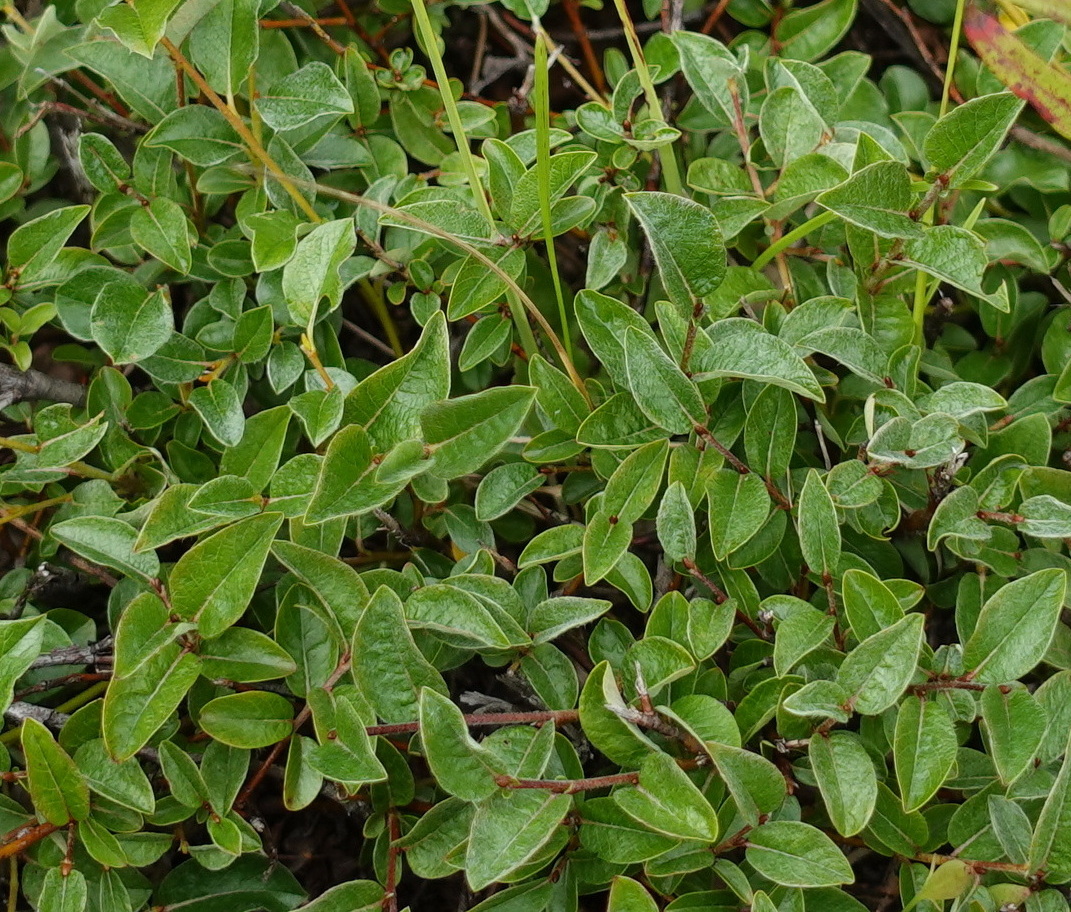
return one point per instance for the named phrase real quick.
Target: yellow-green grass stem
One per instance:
(430, 41)
(669, 161)
(796, 234)
(541, 104)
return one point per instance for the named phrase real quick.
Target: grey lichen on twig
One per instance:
(31, 385)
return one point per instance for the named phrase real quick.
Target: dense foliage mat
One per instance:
(413, 495)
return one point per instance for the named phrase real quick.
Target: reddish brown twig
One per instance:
(21, 838)
(591, 60)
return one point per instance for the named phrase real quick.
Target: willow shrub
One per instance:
(721, 568)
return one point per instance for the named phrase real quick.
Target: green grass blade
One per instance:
(541, 105)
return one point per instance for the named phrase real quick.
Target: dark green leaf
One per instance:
(57, 789)
(1015, 627)
(213, 582)
(687, 245)
(846, 779)
(797, 855)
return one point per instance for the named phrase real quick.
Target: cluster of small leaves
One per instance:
(745, 542)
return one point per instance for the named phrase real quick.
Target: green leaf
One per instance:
(337, 585)
(876, 672)
(949, 881)
(319, 411)
(846, 779)
(924, 750)
(962, 141)
(461, 766)
(604, 322)
(711, 70)
(388, 403)
(556, 396)
(274, 238)
(504, 487)
(770, 432)
(63, 892)
(129, 324)
(345, 754)
(433, 845)
(818, 527)
(221, 410)
(797, 855)
(789, 125)
(756, 785)
(613, 836)
(894, 829)
(182, 774)
(108, 542)
(227, 496)
(742, 348)
(563, 171)
(225, 43)
(687, 245)
(676, 524)
(253, 335)
(477, 287)
(465, 432)
(33, 246)
(124, 783)
(248, 720)
(739, 506)
(1049, 9)
(668, 802)
(854, 348)
(606, 541)
(256, 456)
(953, 255)
(868, 603)
(301, 97)
(811, 32)
(312, 273)
(551, 544)
(161, 228)
(197, 133)
(662, 391)
(1050, 847)
(57, 789)
(802, 630)
(11, 176)
(876, 198)
(628, 895)
(248, 882)
(213, 582)
(388, 668)
(819, 699)
(20, 644)
(147, 86)
(354, 896)
(346, 485)
(224, 769)
(171, 518)
(1045, 517)
(152, 674)
(601, 708)
(457, 618)
(1013, 725)
(508, 829)
(1015, 627)
(1011, 826)
(552, 617)
(635, 482)
(141, 27)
